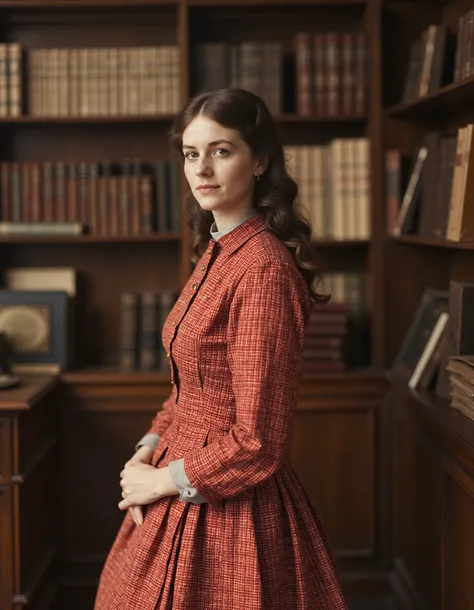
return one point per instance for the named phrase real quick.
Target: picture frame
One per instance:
(37, 326)
(433, 303)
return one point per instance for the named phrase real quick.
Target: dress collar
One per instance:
(234, 238)
(216, 235)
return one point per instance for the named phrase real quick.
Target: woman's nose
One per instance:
(203, 167)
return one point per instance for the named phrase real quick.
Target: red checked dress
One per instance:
(235, 339)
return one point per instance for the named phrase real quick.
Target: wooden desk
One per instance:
(28, 491)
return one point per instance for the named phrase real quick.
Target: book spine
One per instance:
(148, 344)
(129, 331)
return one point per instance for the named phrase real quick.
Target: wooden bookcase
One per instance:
(432, 444)
(105, 410)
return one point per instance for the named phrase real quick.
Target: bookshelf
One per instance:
(431, 443)
(66, 24)
(446, 102)
(418, 240)
(339, 413)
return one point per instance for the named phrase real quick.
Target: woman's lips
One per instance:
(205, 190)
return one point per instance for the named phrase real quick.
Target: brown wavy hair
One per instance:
(275, 194)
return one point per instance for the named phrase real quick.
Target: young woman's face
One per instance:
(219, 166)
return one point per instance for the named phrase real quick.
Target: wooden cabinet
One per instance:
(433, 503)
(29, 486)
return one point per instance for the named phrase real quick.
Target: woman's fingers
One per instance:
(137, 514)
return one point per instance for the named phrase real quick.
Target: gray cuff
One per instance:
(187, 493)
(150, 440)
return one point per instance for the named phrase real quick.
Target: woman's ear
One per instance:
(261, 163)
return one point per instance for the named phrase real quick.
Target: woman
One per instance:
(217, 519)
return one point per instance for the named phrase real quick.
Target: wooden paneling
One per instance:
(102, 419)
(341, 488)
(335, 452)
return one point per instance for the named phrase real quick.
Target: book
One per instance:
(406, 214)
(429, 353)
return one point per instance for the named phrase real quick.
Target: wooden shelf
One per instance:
(341, 243)
(163, 118)
(107, 375)
(90, 239)
(110, 374)
(243, 3)
(24, 396)
(347, 375)
(458, 427)
(446, 102)
(84, 4)
(419, 240)
(296, 118)
(66, 120)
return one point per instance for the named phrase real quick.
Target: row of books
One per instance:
(461, 382)
(343, 322)
(437, 198)
(142, 317)
(127, 197)
(254, 66)
(438, 57)
(325, 335)
(334, 187)
(89, 81)
(331, 73)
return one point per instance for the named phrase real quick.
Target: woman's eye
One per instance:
(189, 155)
(221, 152)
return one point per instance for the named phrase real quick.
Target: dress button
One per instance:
(168, 355)
(209, 251)
(172, 382)
(203, 267)
(195, 286)
(174, 323)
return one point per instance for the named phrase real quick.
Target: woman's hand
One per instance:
(143, 484)
(142, 455)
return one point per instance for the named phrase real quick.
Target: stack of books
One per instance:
(461, 380)
(325, 334)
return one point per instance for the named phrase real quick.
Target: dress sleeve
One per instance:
(150, 440)
(265, 352)
(187, 493)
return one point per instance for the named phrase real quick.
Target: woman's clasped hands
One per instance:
(143, 484)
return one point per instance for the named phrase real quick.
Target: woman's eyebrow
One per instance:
(215, 143)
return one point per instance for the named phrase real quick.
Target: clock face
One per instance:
(27, 327)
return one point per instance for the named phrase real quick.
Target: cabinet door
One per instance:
(417, 508)
(5, 451)
(6, 549)
(458, 536)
